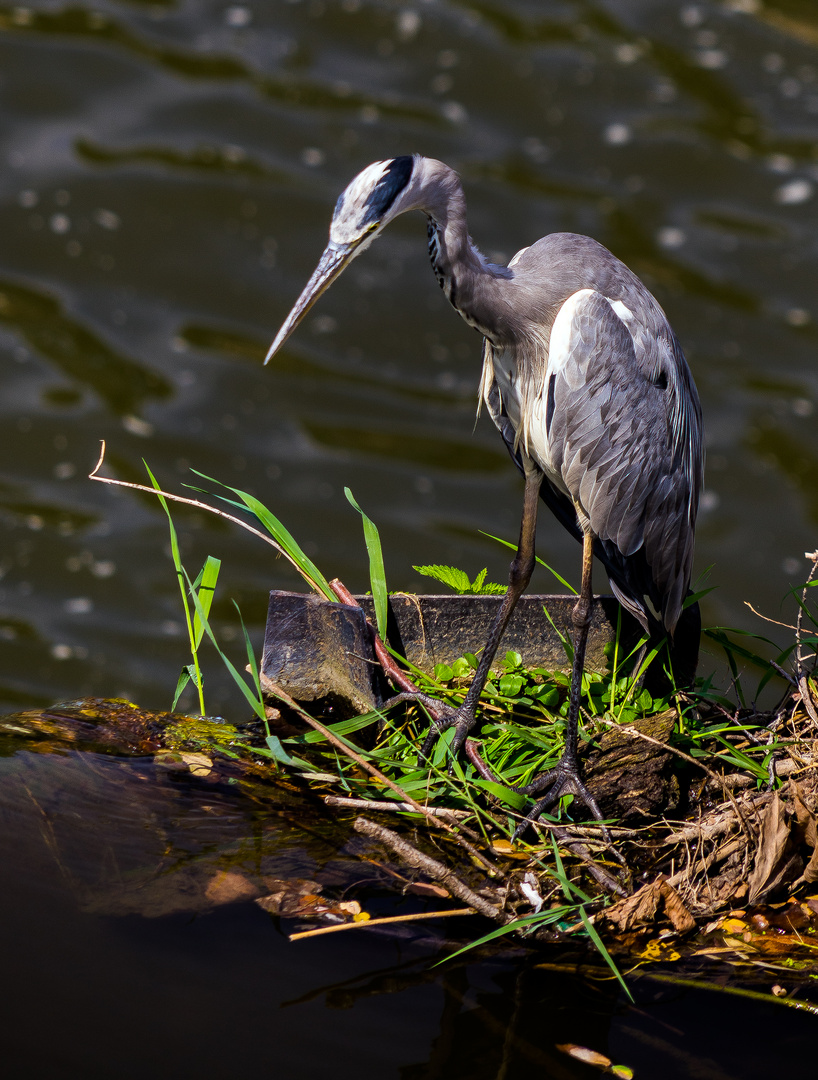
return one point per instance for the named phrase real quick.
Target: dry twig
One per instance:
(373, 924)
(434, 869)
(800, 668)
(93, 475)
(381, 805)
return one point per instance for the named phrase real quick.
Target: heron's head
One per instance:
(371, 201)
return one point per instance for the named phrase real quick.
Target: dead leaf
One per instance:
(286, 896)
(350, 907)
(739, 944)
(733, 926)
(582, 1053)
(777, 862)
(199, 764)
(644, 905)
(502, 847)
(426, 888)
(659, 950)
(639, 908)
(680, 918)
(228, 886)
(782, 945)
(808, 830)
(302, 899)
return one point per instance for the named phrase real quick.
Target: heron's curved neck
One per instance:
(471, 283)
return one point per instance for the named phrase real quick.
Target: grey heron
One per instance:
(588, 386)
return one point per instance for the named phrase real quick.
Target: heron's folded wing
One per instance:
(616, 409)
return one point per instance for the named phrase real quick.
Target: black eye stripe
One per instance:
(395, 178)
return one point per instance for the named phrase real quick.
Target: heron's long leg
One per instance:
(564, 778)
(581, 618)
(519, 576)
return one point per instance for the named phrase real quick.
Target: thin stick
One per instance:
(270, 687)
(394, 807)
(434, 869)
(368, 924)
(800, 670)
(767, 618)
(201, 506)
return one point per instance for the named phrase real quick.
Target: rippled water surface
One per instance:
(168, 173)
(167, 176)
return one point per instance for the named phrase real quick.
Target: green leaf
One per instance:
(205, 586)
(185, 675)
(481, 587)
(450, 576)
(505, 795)
(280, 754)
(377, 574)
(443, 673)
(547, 696)
(511, 685)
(182, 577)
(256, 704)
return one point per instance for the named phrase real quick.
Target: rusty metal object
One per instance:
(320, 651)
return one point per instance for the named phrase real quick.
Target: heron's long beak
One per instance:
(333, 261)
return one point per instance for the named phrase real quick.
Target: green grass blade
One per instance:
(550, 569)
(276, 752)
(543, 919)
(603, 952)
(181, 575)
(255, 703)
(377, 574)
(280, 754)
(282, 536)
(251, 656)
(205, 586)
(185, 675)
(505, 795)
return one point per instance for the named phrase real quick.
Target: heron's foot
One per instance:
(563, 779)
(443, 718)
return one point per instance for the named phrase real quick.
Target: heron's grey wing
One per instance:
(623, 433)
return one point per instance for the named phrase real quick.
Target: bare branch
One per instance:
(93, 475)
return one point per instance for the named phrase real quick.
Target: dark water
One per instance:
(166, 180)
(168, 173)
(116, 963)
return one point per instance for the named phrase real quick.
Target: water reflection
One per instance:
(116, 908)
(169, 173)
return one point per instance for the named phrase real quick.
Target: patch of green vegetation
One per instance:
(458, 580)
(201, 733)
